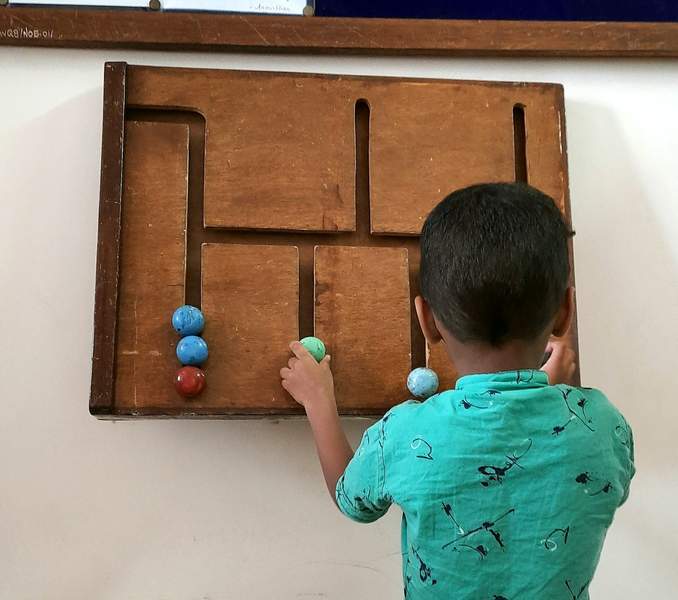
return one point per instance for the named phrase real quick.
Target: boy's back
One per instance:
(507, 486)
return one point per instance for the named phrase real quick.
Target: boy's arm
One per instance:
(311, 385)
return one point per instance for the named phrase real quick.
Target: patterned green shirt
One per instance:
(507, 486)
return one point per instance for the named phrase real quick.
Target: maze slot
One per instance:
(151, 263)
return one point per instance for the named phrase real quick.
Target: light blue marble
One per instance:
(188, 320)
(192, 350)
(422, 382)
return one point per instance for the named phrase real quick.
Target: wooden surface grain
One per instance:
(214, 32)
(362, 313)
(545, 145)
(279, 150)
(251, 306)
(430, 138)
(152, 263)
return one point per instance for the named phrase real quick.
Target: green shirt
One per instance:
(507, 486)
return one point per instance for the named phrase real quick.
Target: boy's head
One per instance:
(494, 264)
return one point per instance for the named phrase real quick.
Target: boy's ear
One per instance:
(426, 321)
(565, 314)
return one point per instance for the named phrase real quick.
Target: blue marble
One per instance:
(188, 320)
(192, 350)
(422, 382)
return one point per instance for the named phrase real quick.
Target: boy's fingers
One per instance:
(300, 352)
(291, 362)
(556, 349)
(285, 372)
(555, 341)
(570, 373)
(326, 360)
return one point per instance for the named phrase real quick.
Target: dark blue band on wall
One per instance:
(528, 10)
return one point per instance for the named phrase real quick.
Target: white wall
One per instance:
(237, 510)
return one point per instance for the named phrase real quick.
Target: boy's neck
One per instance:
(470, 359)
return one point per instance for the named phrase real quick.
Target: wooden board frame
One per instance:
(118, 107)
(108, 244)
(158, 30)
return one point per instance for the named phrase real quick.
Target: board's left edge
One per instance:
(102, 400)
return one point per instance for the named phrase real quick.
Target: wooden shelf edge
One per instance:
(153, 30)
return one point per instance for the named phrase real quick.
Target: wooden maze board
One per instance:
(287, 205)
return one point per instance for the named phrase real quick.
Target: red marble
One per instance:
(189, 381)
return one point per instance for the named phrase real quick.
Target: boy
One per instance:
(508, 482)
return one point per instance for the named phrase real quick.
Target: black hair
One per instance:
(495, 262)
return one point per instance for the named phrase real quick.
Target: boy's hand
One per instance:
(561, 365)
(310, 383)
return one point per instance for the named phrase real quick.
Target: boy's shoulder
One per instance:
(411, 408)
(601, 417)
(575, 398)
(400, 417)
(409, 412)
(608, 421)
(592, 399)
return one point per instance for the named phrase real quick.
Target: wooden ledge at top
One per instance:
(157, 30)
